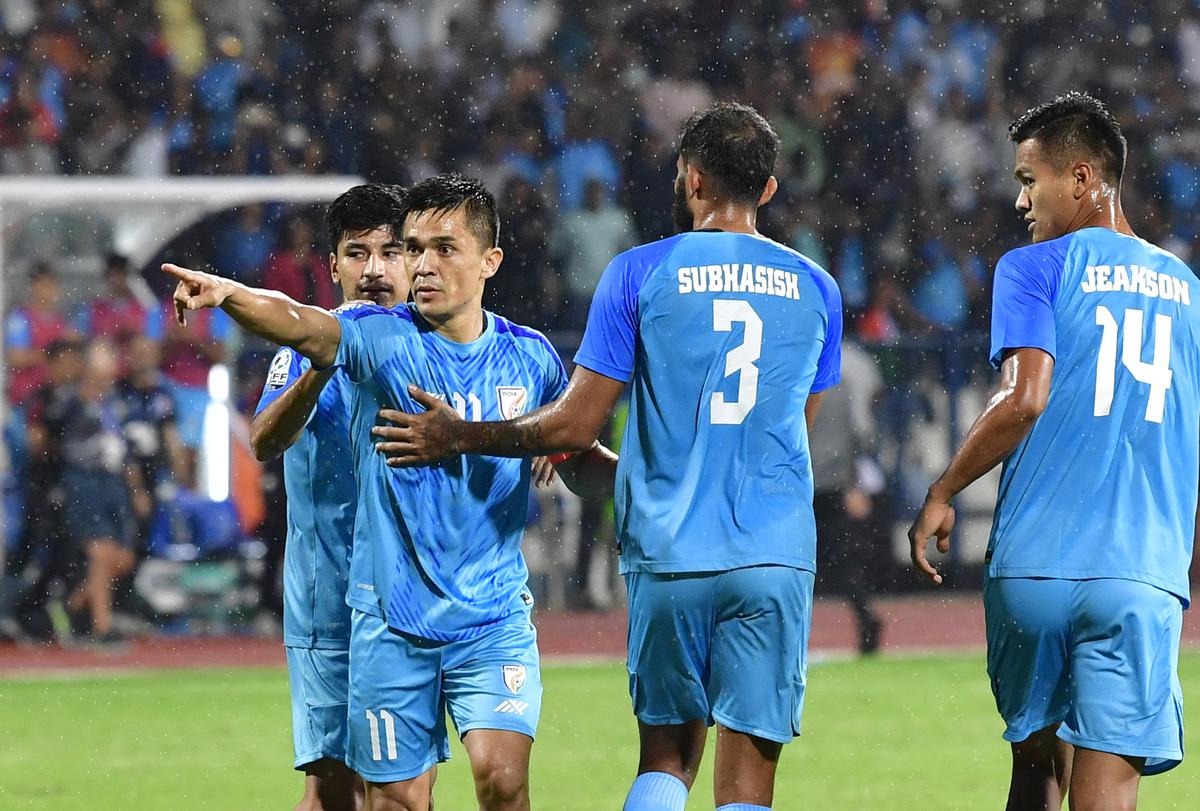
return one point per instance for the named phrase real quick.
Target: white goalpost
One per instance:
(135, 217)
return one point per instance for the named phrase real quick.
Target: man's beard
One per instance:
(679, 209)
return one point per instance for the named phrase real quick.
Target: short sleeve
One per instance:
(556, 374)
(610, 340)
(829, 362)
(18, 334)
(286, 367)
(1023, 295)
(354, 354)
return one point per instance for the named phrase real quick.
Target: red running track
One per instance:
(911, 625)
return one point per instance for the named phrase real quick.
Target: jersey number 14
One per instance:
(1156, 373)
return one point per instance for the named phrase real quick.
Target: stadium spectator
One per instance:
(586, 240)
(299, 270)
(119, 312)
(44, 553)
(846, 482)
(102, 493)
(29, 331)
(188, 354)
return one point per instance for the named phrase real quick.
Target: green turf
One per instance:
(890, 733)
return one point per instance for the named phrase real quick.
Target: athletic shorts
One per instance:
(722, 647)
(320, 682)
(401, 688)
(96, 505)
(1097, 657)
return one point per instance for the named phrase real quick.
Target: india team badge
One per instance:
(514, 677)
(513, 401)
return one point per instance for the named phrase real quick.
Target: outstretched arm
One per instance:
(1006, 420)
(277, 427)
(311, 331)
(571, 423)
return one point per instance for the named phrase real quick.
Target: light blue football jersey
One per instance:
(318, 474)
(437, 548)
(724, 337)
(1105, 483)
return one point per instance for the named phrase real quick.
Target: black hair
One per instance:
(41, 269)
(1073, 125)
(116, 262)
(365, 208)
(734, 145)
(61, 346)
(446, 192)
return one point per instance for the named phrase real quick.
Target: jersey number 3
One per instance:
(1157, 373)
(739, 360)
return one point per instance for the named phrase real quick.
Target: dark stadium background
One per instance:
(894, 175)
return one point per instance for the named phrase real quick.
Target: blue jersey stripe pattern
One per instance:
(437, 548)
(723, 337)
(318, 476)
(1105, 484)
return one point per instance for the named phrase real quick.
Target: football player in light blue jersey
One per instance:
(727, 340)
(1097, 337)
(437, 580)
(305, 414)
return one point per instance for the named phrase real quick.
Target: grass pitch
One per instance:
(911, 733)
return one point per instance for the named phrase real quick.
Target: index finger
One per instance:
(180, 273)
(402, 418)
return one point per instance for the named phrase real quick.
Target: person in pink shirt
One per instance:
(29, 331)
(117, 314)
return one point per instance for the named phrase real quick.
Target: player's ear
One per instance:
(333, 271)
(492, 258)
(695, 179)
(768, 191)
(1083, 174)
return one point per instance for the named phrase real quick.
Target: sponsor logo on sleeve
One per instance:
(277, 376)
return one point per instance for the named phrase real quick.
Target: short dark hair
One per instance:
(61, 346)
(116, 262)
(1072, 125)
(41, 269)
(733, 144)
(446, 192)
(365, 208)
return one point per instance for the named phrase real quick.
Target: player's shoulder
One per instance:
(792, 259)
(362, 310)
(1168, 259)
(649, 254)
(1047, 256)
(525, 339)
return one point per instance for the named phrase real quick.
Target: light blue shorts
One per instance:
(320, 682)
(724, 647)
(401, 688)
(1099, 657)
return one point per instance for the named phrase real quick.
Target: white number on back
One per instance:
(739, 360)
(1156, 373)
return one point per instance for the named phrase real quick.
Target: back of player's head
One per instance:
(447, 192)
(1072, 126)
(365, 208)
(733, 145)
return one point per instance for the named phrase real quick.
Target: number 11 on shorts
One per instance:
(389, 732)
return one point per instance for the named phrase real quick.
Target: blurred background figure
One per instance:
(103, 493)
(847, 484)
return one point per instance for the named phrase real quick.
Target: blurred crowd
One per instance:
(895, 172)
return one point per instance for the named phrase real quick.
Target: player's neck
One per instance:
(1104, 211)
(462, 328)
(738, 219)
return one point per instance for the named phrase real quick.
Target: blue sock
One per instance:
(656, 791)
(744, 807)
